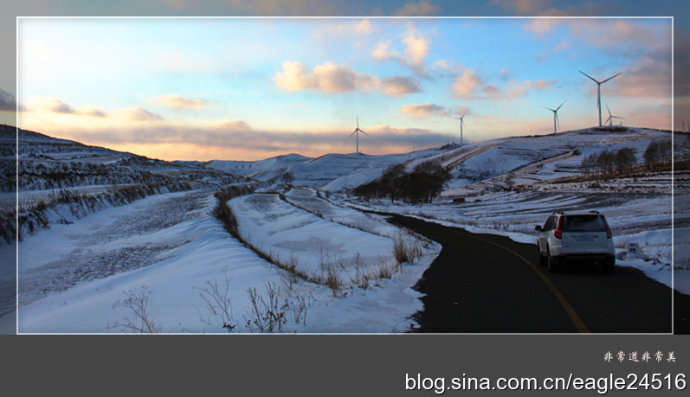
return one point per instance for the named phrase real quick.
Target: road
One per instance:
(483, 283)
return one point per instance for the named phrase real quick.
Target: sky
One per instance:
(252, 88)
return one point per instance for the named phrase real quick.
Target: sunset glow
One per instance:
(251, 88)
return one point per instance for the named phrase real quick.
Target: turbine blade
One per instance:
(559, 106)
(363, 132)
(604, 81)
(609, 110)
(353, 133)
(590, 77)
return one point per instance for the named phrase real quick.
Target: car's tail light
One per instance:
(558, 233)
(608, 229)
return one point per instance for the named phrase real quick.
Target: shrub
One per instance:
(218, 302)
(266, 314)
(137, 301)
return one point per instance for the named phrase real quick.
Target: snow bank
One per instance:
(316, 247)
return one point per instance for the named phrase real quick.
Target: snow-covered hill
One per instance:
(46, 163)
(60, 180)
(478, 166)
(330, 172)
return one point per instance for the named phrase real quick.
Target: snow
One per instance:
(71, 277)
(196, 250)
(317, 245)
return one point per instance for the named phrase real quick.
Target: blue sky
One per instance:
(142, 84)
(251, 88)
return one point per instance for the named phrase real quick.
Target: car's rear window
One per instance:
(583, 223)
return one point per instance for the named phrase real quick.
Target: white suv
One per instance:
(584, 236)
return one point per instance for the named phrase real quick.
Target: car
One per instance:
(576, 237)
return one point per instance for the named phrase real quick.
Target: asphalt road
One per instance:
(484, 283)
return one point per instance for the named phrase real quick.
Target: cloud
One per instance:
(7, 101)
(546, 8)
(139, 114)
(555, 50)
(616, 36)
(261, 7)
(522, 7)
(647, 78)
(469, 85)
(331, 78)
(416, 49)
(235, 125)
(237, 138)
(55, 105)
(541, 27)
(466, 84)
(362, 27)
(420, 8)
(382, 52)
(399, 85)
(425, 110)
(92, 111)
(176, 101)
(522, 88)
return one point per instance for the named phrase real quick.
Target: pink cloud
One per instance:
(331, 78)
(176, 101)
(425, 110)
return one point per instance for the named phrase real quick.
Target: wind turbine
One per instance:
(555, 116)
(611, 117)
(599, 83)
(461, 123)
(356, 133)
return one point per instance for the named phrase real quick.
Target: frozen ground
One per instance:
(168, 248)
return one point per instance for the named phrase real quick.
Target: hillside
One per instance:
(59, 180)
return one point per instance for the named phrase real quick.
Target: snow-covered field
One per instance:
(172, 259)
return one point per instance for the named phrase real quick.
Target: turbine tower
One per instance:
(611, 117)
(356, 133)
(461, 123)
(599, 83)
(555, 116)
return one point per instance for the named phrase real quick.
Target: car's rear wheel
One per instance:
(551, 261)
(542, 258)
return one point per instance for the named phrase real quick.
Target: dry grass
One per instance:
(405, 250)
